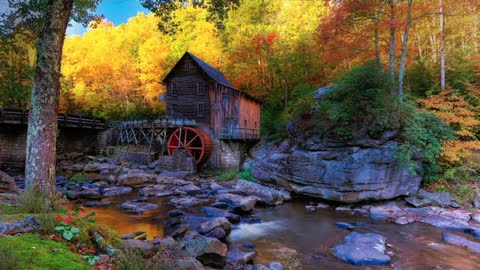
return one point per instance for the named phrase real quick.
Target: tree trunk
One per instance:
(442, 46)
(42, 128)
(392, 43)
(376, 37)
(403, 59)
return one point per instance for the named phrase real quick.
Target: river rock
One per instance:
(116, 191)
(186, 202)
(146, 247)
(89, 193)
(476, 202)
(136, 179)
(476, 217)
(344, 225)
(7, 184)
(266, 195)
(276, 266)
(236, 257)
(216, 187)
(31, 224)
(95, 204)
(385, 211)
(439, 198)
(212, 224)
(417, 202)
(152, 190)
(216, 212)
(139, 235)
(190, 189)
(363, 249)
(237, 202)
(95, 167)
(138, 208)
(461, 241)
(359, 170)
(209, 251)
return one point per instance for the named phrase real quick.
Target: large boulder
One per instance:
(360, 170)
(363, 249)
(265, 194)
(209, 251)
(137, 179)
(7, 184)
(238, 203)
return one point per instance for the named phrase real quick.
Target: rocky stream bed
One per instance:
(203, 223)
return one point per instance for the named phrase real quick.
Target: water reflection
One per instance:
(415, 246)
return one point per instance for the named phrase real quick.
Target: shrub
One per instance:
(132, 259)
(230, 175)
(79, 177)
(422, 135)
(360, 98)
(227, 175)
(33, 202)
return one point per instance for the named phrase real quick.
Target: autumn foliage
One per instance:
(455, 111)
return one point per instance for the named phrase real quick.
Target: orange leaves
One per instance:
(455, 111)
(456, 151)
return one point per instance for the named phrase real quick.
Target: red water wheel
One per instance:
(195, 141)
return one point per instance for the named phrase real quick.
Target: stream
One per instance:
(414, 246)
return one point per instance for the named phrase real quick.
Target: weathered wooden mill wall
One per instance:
(13, 143)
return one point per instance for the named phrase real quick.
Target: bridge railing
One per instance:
(20, 117)
(239, 134)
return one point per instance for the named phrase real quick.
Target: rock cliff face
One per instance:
(359, 170)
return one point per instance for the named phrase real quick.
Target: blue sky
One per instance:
(116, 11)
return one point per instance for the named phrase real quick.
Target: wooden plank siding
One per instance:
(219, 105)
(184, 100)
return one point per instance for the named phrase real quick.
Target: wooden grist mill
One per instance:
(207, 116)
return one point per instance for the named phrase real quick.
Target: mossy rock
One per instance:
(34, 252)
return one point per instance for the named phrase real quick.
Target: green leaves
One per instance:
(68, 232)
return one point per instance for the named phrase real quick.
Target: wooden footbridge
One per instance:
(20, 117)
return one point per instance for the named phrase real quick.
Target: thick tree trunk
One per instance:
(442, 46)
(403, 59)
(42, 128)
(392, 43)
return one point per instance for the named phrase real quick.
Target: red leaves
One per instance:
(262, 41)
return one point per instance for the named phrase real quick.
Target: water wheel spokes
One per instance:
(196, 142)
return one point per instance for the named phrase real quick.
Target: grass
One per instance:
(132, 259)
(33, 252)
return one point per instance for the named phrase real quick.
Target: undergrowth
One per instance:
(230, 175)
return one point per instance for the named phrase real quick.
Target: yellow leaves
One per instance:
(111, 67)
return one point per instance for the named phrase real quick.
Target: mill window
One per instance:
(200, 109)
(188, 67)
(225, 97)
(200, 88)
(174, 89)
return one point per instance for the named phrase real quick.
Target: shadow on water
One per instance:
(415, 246)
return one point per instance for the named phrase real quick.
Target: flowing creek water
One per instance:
(415, 246)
